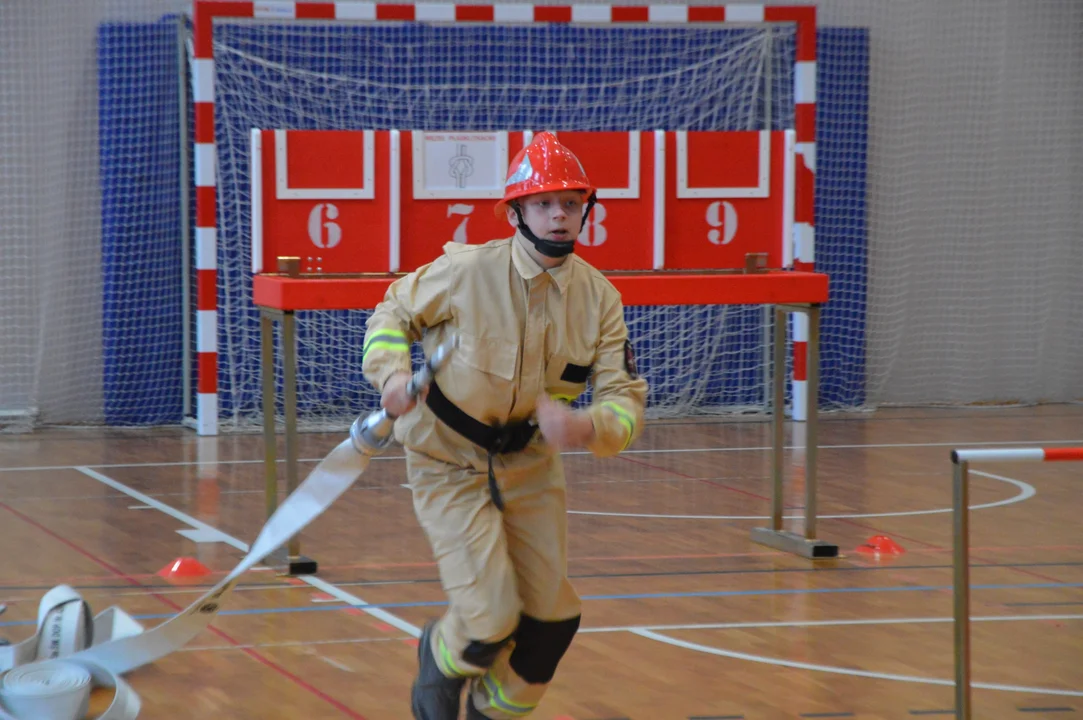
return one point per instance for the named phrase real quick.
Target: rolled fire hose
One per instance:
(50, 676)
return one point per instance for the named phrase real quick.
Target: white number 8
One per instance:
(594, 233)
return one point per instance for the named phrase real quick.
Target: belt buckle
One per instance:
(500, 441)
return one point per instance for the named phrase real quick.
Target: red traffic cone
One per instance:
(184, 569)
(880, 545)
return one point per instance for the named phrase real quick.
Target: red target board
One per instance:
(731, 194)
(617, 235)
(349, 202)
(321, 196)
(450, 183)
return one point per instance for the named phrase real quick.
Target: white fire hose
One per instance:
(49, 676)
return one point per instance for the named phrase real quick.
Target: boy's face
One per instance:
(554, 216)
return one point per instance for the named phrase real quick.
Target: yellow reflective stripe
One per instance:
(386, 340)
(626, 419)
(500, 701)
(384, 345)
(449, 666)
(566, 398)
(389, 334)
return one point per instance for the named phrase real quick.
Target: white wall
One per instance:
(976, 198)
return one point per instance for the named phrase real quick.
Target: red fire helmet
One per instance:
(543, 166)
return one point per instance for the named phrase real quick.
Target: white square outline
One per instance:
(761, 190)
(631, 191)
(366, 191)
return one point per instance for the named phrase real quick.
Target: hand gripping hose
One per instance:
(373, 433)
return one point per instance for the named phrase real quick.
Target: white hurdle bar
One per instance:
(961, 459)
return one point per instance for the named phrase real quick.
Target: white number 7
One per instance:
(460, 209)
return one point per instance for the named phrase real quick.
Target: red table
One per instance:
(279, 296)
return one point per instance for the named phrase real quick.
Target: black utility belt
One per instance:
(493, 440)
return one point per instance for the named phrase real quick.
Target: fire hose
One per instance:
(50, 675)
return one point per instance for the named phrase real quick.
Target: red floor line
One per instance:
(248, 651)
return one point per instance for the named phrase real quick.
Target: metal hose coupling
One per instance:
(372, 433)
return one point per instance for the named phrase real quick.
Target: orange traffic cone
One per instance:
(880, 545)
(184, 569)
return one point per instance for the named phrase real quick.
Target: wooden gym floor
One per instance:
(684, 617)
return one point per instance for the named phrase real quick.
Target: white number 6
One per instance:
(317, 224)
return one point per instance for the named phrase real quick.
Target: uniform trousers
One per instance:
(504, 573)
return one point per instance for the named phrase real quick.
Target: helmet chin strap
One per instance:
(552, 248)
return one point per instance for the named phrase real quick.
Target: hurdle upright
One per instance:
(961, 459)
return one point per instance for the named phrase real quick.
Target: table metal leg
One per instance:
(778, 419)
(294, 562)
(811, 422)
(805, 545)
(267, 358)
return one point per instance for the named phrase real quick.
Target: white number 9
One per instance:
(721, 215)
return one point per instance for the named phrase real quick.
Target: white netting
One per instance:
(975, 165)
(82, 127)
(485, 77)
(949, 162)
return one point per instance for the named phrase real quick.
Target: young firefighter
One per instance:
(534, 322)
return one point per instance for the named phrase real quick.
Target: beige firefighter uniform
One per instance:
(497, 521)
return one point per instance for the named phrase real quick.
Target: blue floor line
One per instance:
(618, 576)
(627, 596)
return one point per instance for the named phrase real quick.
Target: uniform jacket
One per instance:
(523, 331)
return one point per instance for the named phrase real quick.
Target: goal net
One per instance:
(475, 77)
